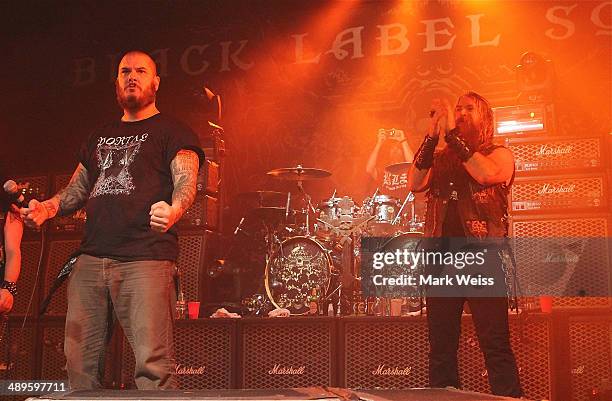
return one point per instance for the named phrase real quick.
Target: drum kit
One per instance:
(312, 252)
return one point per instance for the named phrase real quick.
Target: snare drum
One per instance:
(300, 265)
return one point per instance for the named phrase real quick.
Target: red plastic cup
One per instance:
(546, 302)
(193, 309)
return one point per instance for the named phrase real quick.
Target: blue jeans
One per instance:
(143, 295)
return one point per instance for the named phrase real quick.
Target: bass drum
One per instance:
(299, 266)
(411, 242)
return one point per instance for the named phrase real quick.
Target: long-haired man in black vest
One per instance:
(467, 182)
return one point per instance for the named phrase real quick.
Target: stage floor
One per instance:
(298, 394)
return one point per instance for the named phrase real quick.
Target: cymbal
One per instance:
(298, 173)
(268, 213)
(262, 196)
(398, 167)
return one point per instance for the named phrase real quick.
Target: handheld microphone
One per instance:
(13, 191)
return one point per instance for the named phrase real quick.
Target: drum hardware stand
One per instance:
(309, 207)
(409, 198)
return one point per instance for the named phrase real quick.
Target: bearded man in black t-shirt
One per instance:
(135, 177)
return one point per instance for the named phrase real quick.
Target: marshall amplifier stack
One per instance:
(559, 206)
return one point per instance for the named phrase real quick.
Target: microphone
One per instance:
(13, 191)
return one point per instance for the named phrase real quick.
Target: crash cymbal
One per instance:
(268, 213)
(262, 197)
(398, 167)
(298, 173)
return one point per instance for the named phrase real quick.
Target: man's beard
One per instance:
(133, 103)
(469, 133)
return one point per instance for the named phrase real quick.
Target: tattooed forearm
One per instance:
(74, 196)
(184, 169)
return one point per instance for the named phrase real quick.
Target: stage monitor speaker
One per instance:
(590, 352)
(384, 352)
(57, 254)
(287, 352)
(530, 340)
(30, 256)
(205, 355)
(540, 240)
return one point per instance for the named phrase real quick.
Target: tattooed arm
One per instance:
(65, 202)
(184, 169)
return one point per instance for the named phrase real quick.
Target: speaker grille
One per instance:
(546, 194)
(204, 356)
(531, 345)
(59, 251)
(372, 343)
(30, 254)
(590, 356)
(590, 274)
(190, 262)
(17, 351)
(273, 349)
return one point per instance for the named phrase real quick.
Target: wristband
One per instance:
(10, 286)
(423, 158)
(458, 145)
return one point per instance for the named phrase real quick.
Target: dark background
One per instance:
(278, 113)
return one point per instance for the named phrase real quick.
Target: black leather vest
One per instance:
(483, 210)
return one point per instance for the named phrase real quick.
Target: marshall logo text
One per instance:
(287, 370)
(546, 150)
(383, 370)
(189, 370)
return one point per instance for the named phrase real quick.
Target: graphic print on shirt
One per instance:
(114, 157)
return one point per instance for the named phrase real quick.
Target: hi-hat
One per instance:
(298, 173)
(398, 168)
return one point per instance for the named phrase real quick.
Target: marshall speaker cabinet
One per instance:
(287, 352)
(205, 355)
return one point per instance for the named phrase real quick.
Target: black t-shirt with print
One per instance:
(128, 165)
